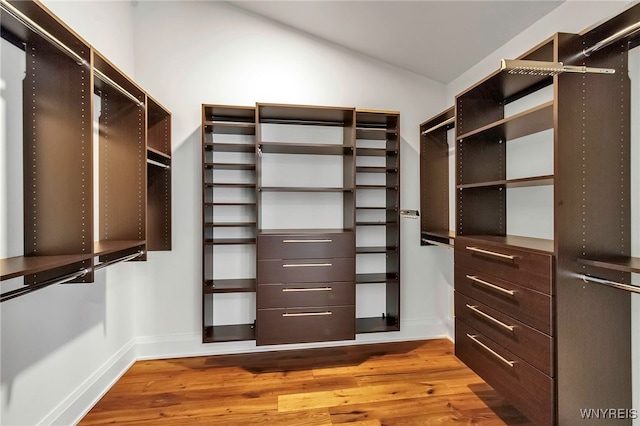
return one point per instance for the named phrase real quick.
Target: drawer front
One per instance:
(529, 344)
(306, 271)
(528, 389)
(282, 326)
(305, 295)
(525, 268)
(528, 306)
(306, 246)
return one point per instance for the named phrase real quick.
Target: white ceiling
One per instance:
(436, 39)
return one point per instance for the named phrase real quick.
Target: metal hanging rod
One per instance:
(116, 86)
(159, 164)
(54, 281)
(121, 259)
(609, 283)
(25, 20)
(543, 68)
(437, 126)
(612, 39)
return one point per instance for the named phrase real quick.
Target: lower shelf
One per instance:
(229, 333)
(376, 325)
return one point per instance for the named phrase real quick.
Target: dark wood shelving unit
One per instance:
(378, 136)
(306, 148)
(226, 129)
(133, 149)
(302, 189)
(512, 183)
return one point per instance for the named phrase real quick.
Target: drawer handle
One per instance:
(491, 253)
(490, 318)
(307, 314)
(491, 351)
(493, 286)
(304, 265)
(286, 290)
(308, 241)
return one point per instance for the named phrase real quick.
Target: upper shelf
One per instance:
(227, 128)
(303, 114)
(380, 134)
(305, 148)
(528, 122)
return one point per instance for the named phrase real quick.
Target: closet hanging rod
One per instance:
(159, 164)
(54, 281)
(25, 20)
(544, 68)
(609, 283)
(118, 260)
(612, 39)
(116, 86)
(437, 126)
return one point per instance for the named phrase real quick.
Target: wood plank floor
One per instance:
(407, 383)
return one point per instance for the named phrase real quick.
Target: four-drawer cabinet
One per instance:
(306, 286)
(504, 328)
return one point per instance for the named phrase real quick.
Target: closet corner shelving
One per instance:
(377, 213)
(434, 179)
(72, 162)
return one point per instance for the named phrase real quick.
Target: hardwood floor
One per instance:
(407, 383)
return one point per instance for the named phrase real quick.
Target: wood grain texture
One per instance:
(404, 383)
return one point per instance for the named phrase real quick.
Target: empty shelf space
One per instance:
(376, 278)
(243, 285)
(18, 266)
(376, 325)
(375, 152)
(301, 189)
(228, 241)
(229, 166)
(301, 114)
(103, 247)
(375, 187)
(512, 183)
(230, 128)
(230, 147)
(229, 333)
(531, 121)
(230, 204)
(229, 185)
(375, 133)
(390, 209)
(155, 152)
(375, 169)
(621, 264)
(372, 250)
(230, 224)
(304, 148)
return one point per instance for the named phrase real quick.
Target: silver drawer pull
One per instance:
(490, 318)
(493, 286)
(491, 351)
(304, 265)
(308, 241)
(307, 314)
(491, 253)
(307, 289)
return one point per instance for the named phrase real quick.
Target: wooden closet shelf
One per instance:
(311, 149)
(240, 285)
(230, 204)
(229, 333)
(387, 208)
(230, 224)
(229, 241)
(230, 147)
(229, 185)
(373, 250)
(376, 169)
(375, 187)
(306, 115)
(374, 223)
(376, 152)
(103, 247)
(376, 278)
(19, 266)
(512, 183)
(229, 166)
(621, 264)
(301, 189)
(158, 153)
(376, 325)
(229, 128)
(380, 134)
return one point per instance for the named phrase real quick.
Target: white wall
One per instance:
(58, 342)
(189, 53)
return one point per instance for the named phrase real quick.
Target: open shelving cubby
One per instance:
(377, 220)
(229, 219)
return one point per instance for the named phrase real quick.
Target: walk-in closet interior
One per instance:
(184, 179)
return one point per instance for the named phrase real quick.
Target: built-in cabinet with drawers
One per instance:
(542, 242)
(95, 175)
(312, 190)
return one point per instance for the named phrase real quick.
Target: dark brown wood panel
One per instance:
(524, 386)
(304, 325)
(530, 270)
(290, 245)
(530, 307)
(306, 270)
(305, 295)
(528, 343)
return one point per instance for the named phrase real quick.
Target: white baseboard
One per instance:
(78, 403)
